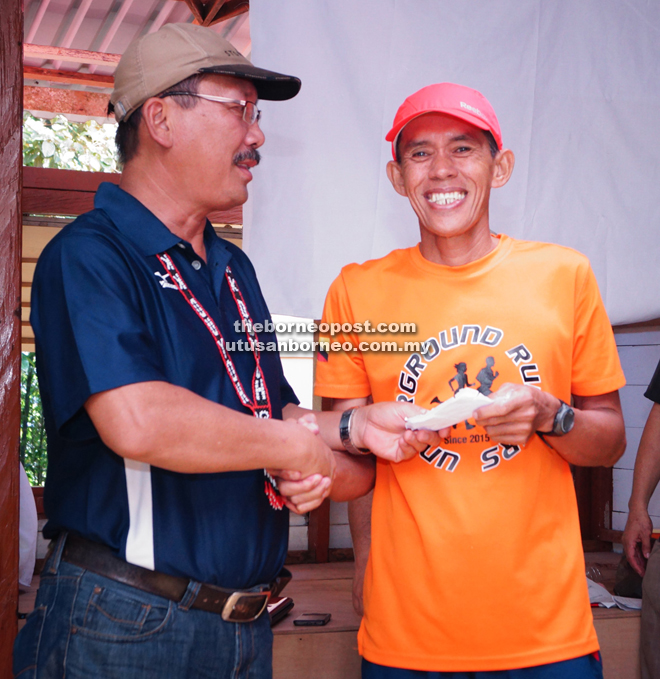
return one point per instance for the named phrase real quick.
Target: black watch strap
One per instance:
(564, 421)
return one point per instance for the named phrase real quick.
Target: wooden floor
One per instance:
(330, 652)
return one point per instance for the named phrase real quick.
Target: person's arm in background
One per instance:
(359, 519)
(637, 534)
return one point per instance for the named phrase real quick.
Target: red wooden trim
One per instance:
(59, 100)
(609, 535)
(68, 77)
(636, 326)
(38, 492)
(65, 180)
(11, 121)
(71, 192)
(42, 201)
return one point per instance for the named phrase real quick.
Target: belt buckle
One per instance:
(244, 606)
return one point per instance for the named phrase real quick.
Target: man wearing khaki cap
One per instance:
(476, 567)
(168, 533)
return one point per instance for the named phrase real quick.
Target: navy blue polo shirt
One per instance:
(106, 314)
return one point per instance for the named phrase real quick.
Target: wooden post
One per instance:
(11, 162)
(318, 532)
(593, 487)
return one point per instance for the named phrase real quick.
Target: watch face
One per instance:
(566, 419)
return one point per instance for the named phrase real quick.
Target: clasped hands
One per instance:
(379, 427)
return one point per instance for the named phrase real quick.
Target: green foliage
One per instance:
(33, 429)
(65, 145)
(56, 143)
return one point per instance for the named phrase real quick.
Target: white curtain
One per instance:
(575, 84)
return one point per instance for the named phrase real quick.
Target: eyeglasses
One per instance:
(251, 114)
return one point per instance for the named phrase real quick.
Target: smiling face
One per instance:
(446, 172)
(214, 147)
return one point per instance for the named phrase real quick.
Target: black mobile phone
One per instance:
(312, 619)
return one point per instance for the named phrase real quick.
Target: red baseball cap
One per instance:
(454, 100)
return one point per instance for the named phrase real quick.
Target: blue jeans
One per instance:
(84, 625)
(584, 667)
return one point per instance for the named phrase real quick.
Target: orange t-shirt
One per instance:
(476, 561)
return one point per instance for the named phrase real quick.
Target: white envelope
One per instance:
(457, 409)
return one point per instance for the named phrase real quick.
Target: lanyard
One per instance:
(259, 404)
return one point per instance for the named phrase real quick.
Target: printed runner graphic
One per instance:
(486, 377)
(457, 340)
(462, 381)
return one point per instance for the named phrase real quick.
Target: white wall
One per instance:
(639, 352)
(576, 87)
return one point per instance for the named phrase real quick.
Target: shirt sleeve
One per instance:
(90, 332)
(596, 365)
(340, 369)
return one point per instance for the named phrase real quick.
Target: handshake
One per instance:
(326, 465)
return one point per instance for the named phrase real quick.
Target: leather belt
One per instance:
(233, 606)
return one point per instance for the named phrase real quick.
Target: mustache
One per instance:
(250, 154)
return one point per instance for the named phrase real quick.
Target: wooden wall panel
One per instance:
(11, 120)
(71, 192)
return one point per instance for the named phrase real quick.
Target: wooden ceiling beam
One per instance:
(213, 11)
(197, 9)
(69, 54)
(230, 9)
(36, 22)
(78, 18)
(68, 77)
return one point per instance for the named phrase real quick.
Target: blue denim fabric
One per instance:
(584, 667)
(84, 625)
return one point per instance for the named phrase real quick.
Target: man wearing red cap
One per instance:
(476, 566)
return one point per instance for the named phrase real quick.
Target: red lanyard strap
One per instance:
(260, 403)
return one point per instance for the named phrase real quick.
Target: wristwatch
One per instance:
(564, 421)
(345, 434)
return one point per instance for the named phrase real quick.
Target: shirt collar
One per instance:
(139, 224)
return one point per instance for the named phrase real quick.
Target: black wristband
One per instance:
(345, 433)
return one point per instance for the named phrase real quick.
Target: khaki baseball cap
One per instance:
(156, 61)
